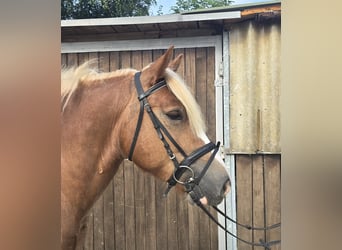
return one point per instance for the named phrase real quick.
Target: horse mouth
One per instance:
(204, 200)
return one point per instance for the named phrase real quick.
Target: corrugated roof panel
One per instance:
(255, 88)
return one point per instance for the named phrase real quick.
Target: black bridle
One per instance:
(192, 183)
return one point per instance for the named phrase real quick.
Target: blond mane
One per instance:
(72, 77)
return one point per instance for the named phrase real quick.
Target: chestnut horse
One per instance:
(102, 125)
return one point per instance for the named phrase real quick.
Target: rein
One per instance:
(266, 245)
(192, 184)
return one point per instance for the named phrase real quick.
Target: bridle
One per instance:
(192, 183)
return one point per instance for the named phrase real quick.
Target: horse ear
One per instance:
(155, 70)
(174, 64)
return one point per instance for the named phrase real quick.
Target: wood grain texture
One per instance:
(244, 196)
(129, 205)
(119, 209)
(272, 196)
(258, 197)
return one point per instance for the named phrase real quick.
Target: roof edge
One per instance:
(151, 19)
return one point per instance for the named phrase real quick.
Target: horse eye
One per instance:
(175, 115)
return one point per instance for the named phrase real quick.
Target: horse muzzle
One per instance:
(204, 179)
(212, 189)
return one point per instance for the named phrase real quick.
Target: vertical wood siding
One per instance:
(258, 197)
(132, 214)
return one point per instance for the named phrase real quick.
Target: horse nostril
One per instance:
(226, 188)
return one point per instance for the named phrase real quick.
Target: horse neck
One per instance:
(90, 124)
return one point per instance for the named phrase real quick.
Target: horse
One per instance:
(104, 120)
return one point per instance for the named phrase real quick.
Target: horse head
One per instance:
(164, 133)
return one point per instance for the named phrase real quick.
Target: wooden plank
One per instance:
(98, 225)
(64, 60)
(204, 230)
(108, 213)
(161, 225)
(150, 206)
(201, 79)
(172, 225)
(114, 61)
(139, 203)
(94, 56)
(244, 198)
(213, 231)
(104, 65)
(72, 59)
(119, 209)
(193, 213)
(258, 197)
(182, 221)
(211, 116)
(82, 57)
(181, 69)
(125, 59)
(272, 196)
(130, 235)
(190, 67)
(89, 238)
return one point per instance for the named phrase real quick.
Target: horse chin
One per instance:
(204, 200)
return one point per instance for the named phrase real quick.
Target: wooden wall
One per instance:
(258, 197)
(132, 214)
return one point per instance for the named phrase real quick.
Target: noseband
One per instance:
(191, 184)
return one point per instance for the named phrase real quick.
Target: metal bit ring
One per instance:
(190, 178)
